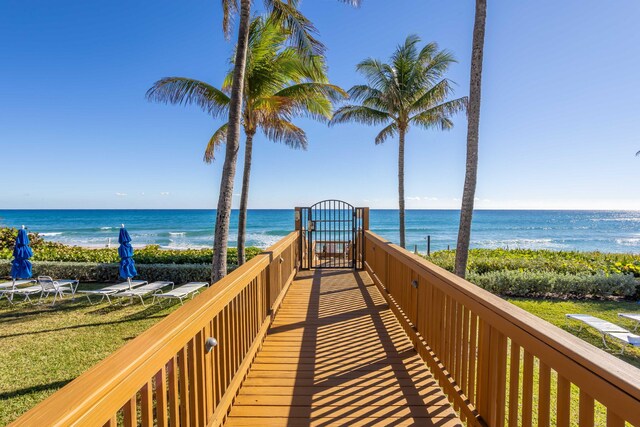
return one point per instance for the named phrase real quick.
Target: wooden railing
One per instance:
(498, 364)
(169, 375)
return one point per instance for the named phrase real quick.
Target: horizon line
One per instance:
(293, 208)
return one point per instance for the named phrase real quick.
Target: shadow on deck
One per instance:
(336, 354)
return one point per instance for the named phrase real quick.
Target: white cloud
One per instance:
(164, 193)
(121, 194)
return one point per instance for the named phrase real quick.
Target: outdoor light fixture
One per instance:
(210, 343)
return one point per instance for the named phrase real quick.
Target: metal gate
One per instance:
(332, 235)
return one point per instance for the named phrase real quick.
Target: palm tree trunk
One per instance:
(223, 213)
(401, 185)
(244, 198)
(469, 192)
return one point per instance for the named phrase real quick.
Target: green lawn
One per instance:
(42, 347)
(553, 311)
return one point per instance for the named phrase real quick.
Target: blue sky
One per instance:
(559, 127)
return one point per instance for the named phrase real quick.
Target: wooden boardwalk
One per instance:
(336, 355)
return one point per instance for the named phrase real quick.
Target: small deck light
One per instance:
(210, 343)
(414, 283)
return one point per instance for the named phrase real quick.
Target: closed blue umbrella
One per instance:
(127, 264)
(21, 266)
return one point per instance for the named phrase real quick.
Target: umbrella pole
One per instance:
(13, 288)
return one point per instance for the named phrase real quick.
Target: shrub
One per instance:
(483, 261)
(106, 273)
(545, 283)
(8, 238)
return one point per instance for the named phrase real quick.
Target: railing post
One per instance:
(298, 218)
(362, 213)
(483, 392)
(298, 228)
(365, 219)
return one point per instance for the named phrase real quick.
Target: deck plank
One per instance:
(336, 355)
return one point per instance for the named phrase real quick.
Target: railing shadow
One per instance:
(55, 385)
(360, 371)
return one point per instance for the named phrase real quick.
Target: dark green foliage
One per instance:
(550, 284)
(8, 238)
(108, 273)
(483, 261)
(542, 273)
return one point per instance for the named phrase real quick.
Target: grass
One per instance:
(553, 311)
(42, 347)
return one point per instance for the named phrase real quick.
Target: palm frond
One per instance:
(313, 89)
(378, 74)
(433, 95)
(439, 115)
(359, 114)
(183, 91)
(437, 66)
(279, 130)
(427, 52)
(218, 137)
(386, 133)
(311, 99)
(360, 93)
(229, 10)
(302, 31)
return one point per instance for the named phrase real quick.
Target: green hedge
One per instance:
(146, 255)
(545, 284)
(107, 273)
(483, 261)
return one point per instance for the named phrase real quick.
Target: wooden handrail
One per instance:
(165, 374)
(485, 351)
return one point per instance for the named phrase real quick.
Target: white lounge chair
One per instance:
(182, 292)
(607, 329)
(7, 287)
(632, 316)
(108, 291)
(57, 287)
(26, 292)
(144, 290)
(14, 283)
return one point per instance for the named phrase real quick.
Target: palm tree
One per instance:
(287, 14)
(410, 90)
(471, 174)
(223, 210)
(280, 83)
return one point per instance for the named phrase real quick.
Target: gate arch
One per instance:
(332, 232)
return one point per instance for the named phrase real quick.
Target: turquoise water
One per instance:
(608, 231)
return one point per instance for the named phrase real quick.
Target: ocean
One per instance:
(606, 231)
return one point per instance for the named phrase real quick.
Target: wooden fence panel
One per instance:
(170, 368)
(498, 364)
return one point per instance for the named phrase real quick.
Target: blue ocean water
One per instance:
(607, 231)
